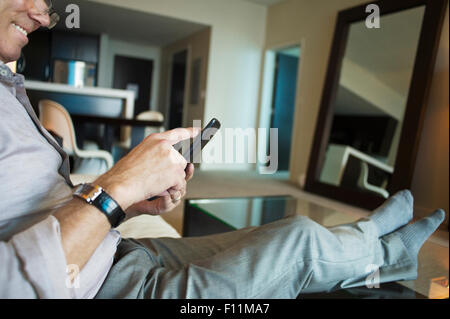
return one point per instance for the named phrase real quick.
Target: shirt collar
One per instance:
(9, 77)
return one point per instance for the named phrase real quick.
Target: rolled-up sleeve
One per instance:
(33, 264)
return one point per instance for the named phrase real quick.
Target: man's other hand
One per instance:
(165, 202)
(152, 168)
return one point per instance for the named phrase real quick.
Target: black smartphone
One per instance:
(195, 147)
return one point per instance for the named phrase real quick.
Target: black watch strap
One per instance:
(96, 196)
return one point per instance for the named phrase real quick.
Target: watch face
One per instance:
(94, 195)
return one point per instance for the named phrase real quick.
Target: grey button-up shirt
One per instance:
(34, 182)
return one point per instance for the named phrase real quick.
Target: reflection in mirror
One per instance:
(369, 105)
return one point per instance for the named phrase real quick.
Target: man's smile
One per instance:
(22, 30)
(23, 33)
(18, 19)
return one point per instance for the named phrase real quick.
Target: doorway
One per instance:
(133, 74)
(177, 89)
(136, 75)
(279, 96)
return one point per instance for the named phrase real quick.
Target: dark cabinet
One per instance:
(73, 46)
(47, 46)
(35, 59)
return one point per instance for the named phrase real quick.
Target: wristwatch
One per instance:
(96, 196)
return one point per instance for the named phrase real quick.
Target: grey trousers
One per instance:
(277, 260)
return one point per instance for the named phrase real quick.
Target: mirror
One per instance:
(373, 101)
(370, 102)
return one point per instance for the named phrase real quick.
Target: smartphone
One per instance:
(196, 146)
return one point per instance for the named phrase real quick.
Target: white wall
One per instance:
(109, 47)
(366, 85)
(237, 40)
(268, 79)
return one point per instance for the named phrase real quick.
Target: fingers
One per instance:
(158, 206)
(165, 193)
(176, 196)
(178, 191)
(179, 134)
(161, 206)
(167, 204)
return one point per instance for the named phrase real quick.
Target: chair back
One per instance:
(54, 117)
(139, 133)
(151, 116)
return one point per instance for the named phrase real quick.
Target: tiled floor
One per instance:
(433, 257)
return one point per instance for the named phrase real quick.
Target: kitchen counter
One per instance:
(53, 89)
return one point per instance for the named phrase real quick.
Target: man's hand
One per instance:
(150, 169)
(166, 201)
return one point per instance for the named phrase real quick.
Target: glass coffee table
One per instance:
(211, 216)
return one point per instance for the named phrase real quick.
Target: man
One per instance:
(45, 229)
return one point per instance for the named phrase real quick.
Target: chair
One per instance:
(139, 133)
(151, 116)
(346, 166)
(363, 182)
(54, 117)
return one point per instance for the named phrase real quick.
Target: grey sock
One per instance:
(395, 212)
(415, 235)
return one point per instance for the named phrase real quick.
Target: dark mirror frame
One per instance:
(415, 108)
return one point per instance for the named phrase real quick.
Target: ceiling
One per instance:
(388, 53)
(265, 2)
(349, 103)
(385, 55)
(126, 24)
(133, 25)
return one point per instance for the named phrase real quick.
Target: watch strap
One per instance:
(96, 196)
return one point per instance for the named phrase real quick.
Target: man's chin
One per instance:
(12, 57)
